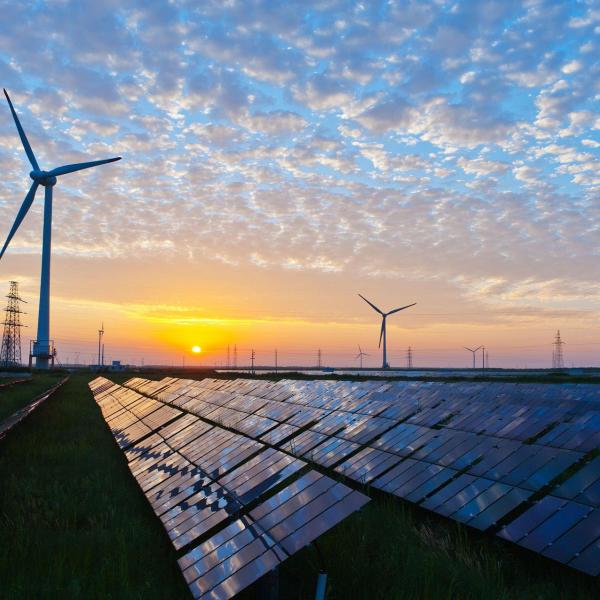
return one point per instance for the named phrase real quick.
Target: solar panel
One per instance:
(554, 526)
(202, 481)
(260, 474)
(331, 451)
(588, 559)
(242, 552)
(491, 515)
(575, 542)
(584, 485)
(462, 450)
(228, 562)
(367, 464)
(530, 519)
(480, 501)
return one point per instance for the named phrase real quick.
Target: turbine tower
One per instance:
(360, 355)
(47, 179)
(382, 335)
(473, 351)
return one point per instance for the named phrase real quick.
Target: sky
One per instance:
(281, 157)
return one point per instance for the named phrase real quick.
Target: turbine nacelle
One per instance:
(44, 178)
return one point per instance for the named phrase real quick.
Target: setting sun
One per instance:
(196, 349)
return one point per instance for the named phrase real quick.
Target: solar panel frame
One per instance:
(554, 526)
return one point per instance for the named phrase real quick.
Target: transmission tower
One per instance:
(252, 357)
(409, 358)
(10, 354)
(235, 356)
(319, 359)
(557, 354)
(228, 356)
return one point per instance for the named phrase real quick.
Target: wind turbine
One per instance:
(473, 351)
(360, 355)
(47, 179)
(382, 335)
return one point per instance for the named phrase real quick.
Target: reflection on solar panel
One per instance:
(515, 459)
(233, 506)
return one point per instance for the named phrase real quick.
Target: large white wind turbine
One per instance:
(41, 347)
(382, 335)
(473, 351)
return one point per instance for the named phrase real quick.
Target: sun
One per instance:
(196, 349)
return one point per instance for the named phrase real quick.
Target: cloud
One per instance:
(369, 140)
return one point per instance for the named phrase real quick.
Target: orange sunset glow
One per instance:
(262, 187)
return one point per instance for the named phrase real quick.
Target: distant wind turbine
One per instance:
(382, 335)
(41, 348)
(360, 355)
(473, 351)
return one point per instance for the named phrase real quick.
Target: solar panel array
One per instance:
(233, 507)
(516, 460)
(13, 420)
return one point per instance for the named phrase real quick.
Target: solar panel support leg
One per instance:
(321, 586)
(269, 585)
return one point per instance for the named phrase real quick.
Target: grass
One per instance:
(20, 394)
(74, 524)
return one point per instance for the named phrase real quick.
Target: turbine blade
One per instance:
(24, 140)
(20, 215)
(79, 166)
(399, 309)
(371, 304)
(381, 334)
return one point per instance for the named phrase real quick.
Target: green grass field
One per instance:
(18, 395)
(74, 524)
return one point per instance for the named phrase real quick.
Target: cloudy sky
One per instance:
(279, 157)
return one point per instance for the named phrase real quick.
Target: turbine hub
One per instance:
(43, 178)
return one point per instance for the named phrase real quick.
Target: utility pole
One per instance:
(10, 355)
(409, 358)
(100, 336)
(557, 355)
(252, 357)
